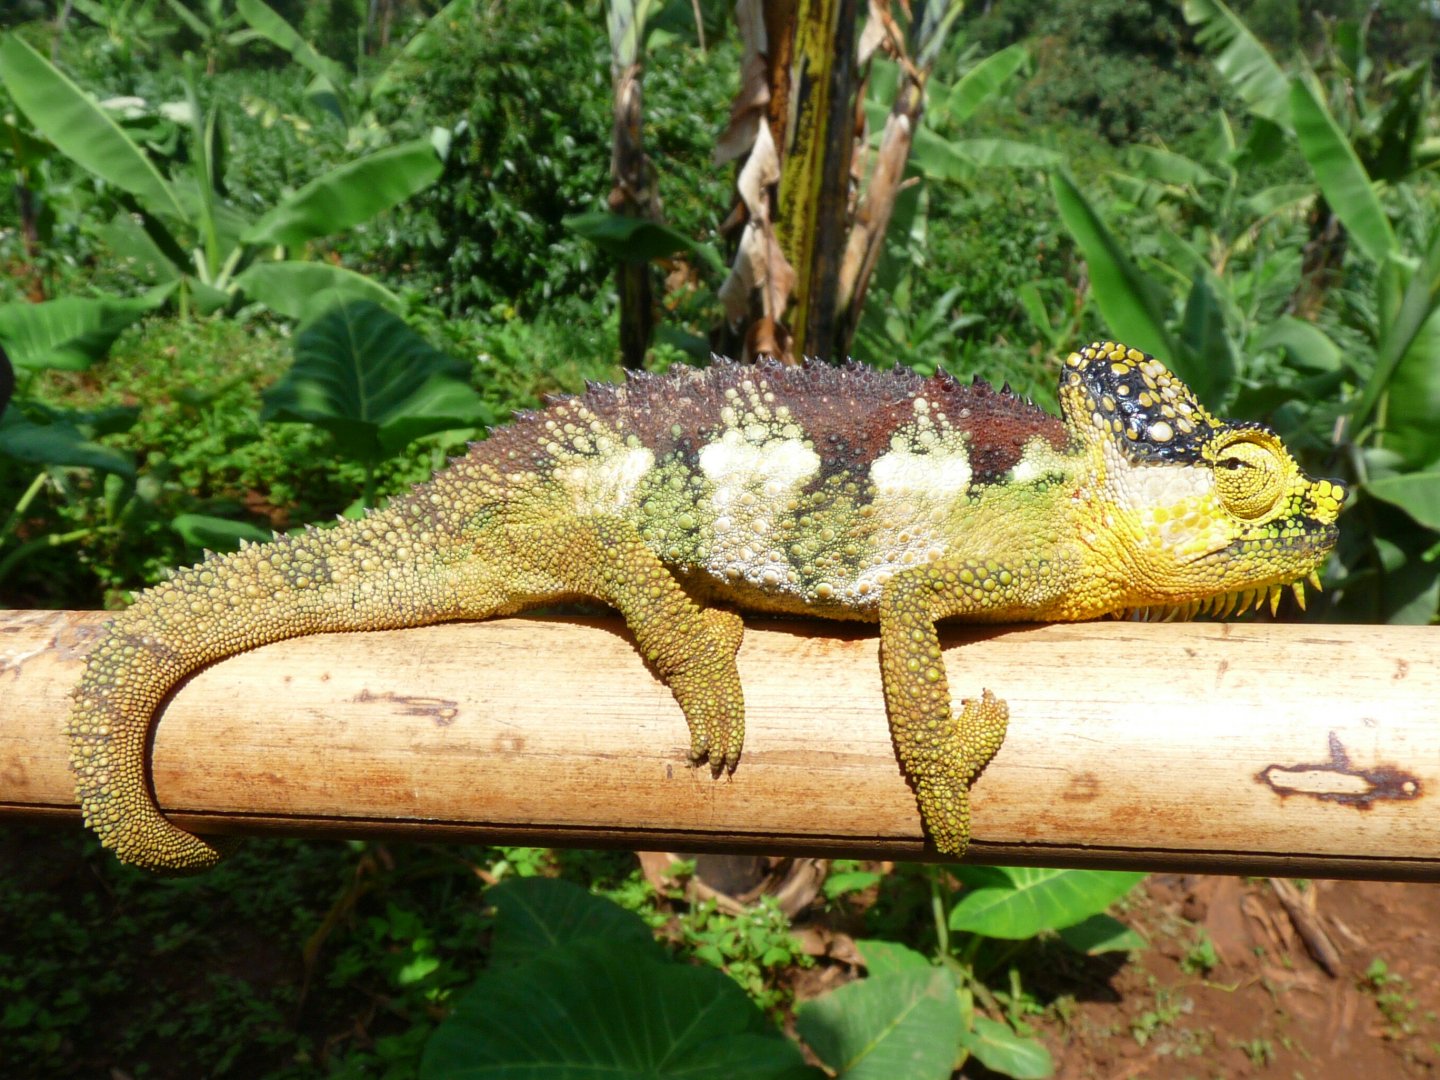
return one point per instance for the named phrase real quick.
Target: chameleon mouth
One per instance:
(1222, 605)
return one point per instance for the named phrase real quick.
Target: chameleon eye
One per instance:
(1249, 475)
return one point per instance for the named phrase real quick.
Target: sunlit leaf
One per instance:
(906, 1023)
(372, 382)
(1125, 297)
(1337, 169)
(982, 82)
(77, 125)
(1240, 57)
(349, 194)
(1035, 899)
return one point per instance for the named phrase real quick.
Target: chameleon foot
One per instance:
(942, 786)
(708, 690)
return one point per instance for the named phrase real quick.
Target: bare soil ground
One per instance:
(1340, 979)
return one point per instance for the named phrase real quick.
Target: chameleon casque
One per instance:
(840, 492)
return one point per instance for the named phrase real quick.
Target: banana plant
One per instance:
(182, 226)
(1213, 308)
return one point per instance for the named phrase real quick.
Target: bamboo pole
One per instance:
(1277, 749)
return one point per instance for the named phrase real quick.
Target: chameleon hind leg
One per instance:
(942, 753)
(691, 647)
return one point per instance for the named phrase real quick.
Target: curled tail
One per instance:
(380, 573)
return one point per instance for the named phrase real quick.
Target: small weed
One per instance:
(1201, 957)
(1393, 998)
(1261, 1052)
(749, 947)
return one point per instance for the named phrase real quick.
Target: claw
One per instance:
(1274, 600)
(1314, 580)
(1298, 588)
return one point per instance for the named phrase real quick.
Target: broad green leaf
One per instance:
(535, 915)
(1273, 200)
(216, 533)
(957, 159)
(77, 125)
(608, 1009)
(1036, 899)
(1412, 411)
(1034, 306)
(1002, 1051)
(1168, 167)
(638, 240)
(73, 332)
(1305, 343)
(982, 82)
(890, 958)
(349, 194)
(303, 290)
(56, 440)
(1101, 934)
(1208, 361)
(372, 382)
(1337, 169)
(1418, 494)
(903, 1024)
(128, 239)
(1241, 59)
(1407, 338)
(1124, 296)
(271, 25)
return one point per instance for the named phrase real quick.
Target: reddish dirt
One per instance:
(1268, 1006)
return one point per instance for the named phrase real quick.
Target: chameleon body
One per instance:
(844, 493)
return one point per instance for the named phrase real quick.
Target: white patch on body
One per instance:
(752, 482)
(601, 485)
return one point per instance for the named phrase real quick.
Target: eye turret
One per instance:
(1250, 473)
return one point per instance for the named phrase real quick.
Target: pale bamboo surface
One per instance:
(1245, 748)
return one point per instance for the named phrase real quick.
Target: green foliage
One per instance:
(524, 91)
(374, 384)
(577, 985)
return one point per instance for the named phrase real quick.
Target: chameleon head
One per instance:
(1202, 511)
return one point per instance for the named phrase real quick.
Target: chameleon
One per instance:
(835, 491)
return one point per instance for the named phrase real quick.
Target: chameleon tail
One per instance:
(320, 581)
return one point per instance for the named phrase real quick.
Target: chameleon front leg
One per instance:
(941, 752)
(692, 648)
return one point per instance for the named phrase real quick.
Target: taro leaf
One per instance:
(349, 194)
(216, 533)
(1035, 899)
(1101, 934)
(72, 332)
(58, 440)
(303, 290)
(890, 958)
(906, 1023)
(608, 1008)
(372, 382)
(534, 915)
(637, 240)
(1002, 1051)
